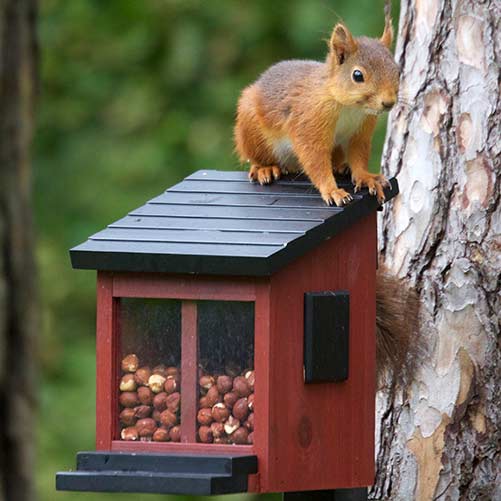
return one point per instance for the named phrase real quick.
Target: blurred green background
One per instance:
(135, 96)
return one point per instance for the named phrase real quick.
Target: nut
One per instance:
(241, 386)
(171, 384)
(129, 433)
(156, 383)
(156, 415)
(204, 416)
(161, 435)
(240, 436)
(250, 401)
(160, 401)
(203, 403)
(127, 383)
(128, 399)
(146, 427)
(220, 413)
(127, 417)
(231, 425)
(142, 375)
(249, 424)
(205, 435)
(168, 418)
(142, 411)
(241, 409)
(251, 379)
(130, 363)
(212, 396)
(145, 395)
(205, 383)
(160, 370)
(250, 438)
(222, 440)
(217, 430)
(230, 399)
(173, 401)
(175, 434)
(224, 384)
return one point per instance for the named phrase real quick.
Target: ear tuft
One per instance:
(387, 36)
(342, 42)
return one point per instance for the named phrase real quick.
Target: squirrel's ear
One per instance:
(342, 43)
(387, 36)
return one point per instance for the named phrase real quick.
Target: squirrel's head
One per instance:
(362, 70)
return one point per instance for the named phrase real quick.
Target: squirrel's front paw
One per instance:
(338, 196)
(374, 182)
(264, 175)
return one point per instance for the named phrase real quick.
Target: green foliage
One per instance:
(135, 96)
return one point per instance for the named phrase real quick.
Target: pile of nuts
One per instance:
(150, 402)
(226, 409)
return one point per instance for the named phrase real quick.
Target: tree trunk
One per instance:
(439, 439)
(17, 269)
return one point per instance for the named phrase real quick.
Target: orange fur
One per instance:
(304, 115)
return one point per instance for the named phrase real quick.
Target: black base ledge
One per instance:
(158, 473)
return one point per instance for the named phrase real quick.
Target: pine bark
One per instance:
(440, 438)
(18, 56)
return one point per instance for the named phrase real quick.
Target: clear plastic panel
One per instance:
(150, 384)
(226, 372)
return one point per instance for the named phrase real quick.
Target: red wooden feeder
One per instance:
(235, 341)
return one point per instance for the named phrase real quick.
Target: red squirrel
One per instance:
(319, 117)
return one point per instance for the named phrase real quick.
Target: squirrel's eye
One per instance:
(358, 76)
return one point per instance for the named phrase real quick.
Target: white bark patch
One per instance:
(435, 105)
(470, 41)
(426, 15)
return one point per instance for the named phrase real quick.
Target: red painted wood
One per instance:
(189, 371)
(173, 447)
(149, 285)
(106, 370)
(321, 436)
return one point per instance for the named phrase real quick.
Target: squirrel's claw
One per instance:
(337, 197)
(264, 175)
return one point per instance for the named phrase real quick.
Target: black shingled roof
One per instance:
(216, 222)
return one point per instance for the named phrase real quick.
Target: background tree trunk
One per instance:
(440, 439)
(17, 270)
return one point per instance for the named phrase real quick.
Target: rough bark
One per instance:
(440, 438)
(17, 269)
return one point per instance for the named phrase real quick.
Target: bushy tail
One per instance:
(399, 345)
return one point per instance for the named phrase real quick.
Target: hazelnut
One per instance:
(231, 425)
(142, 375)
(249, 424)
(250, 438)
(173, 401)
(203, 403)
(161, 435)
(230, 399)
(127, 417)
(128, 399)
(241, 409)
(156, 383)
(170, 385)
(172, 371)
(156, 415)
(251, 379)
(145, 395)
(222, 440)
(142, 411)
(127, 383)
(146, 427)
(212, 396)
(160, 401)
(240, 436)
(130, 363)
(129, 433)
(175, 434)
(220, 413)
(168, 418)
(205, 435)
(217, 429)
(241, 386)
(204, 416)
(250, 401)
(205, 383)
(160, 370)
(224, 384)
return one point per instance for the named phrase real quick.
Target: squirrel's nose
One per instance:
(388, 105)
